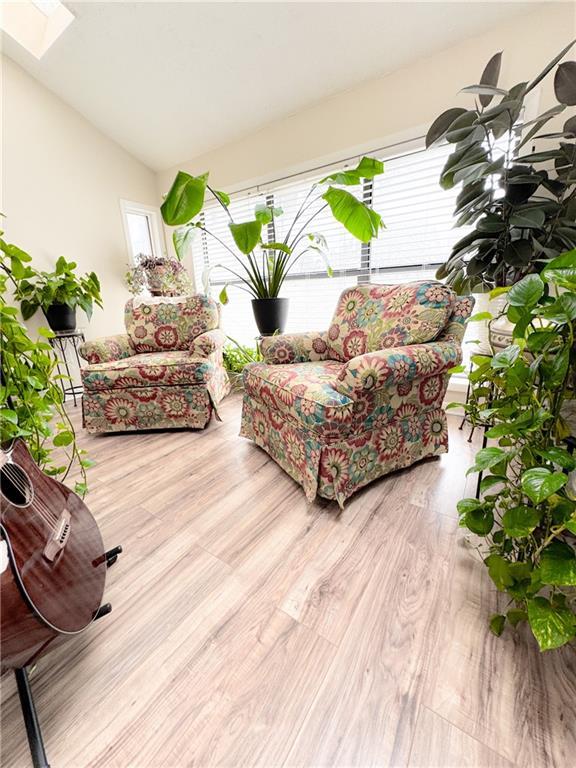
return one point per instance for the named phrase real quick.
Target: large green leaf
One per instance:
(497, 622)
(185, 199)
(570, 126)
(526, 292)
(442, 123)
(266, 213)
(484, 90)
(528, 218)
(552, 625)
(520, 521)
(182, 239)
(565, 83)
(518, 253)
(486, 458)
(558, 565)
(367, 168)
(499, 570)
(549, 67)
(539, 483)
(479, 521)
(562, 270)
(558, 456)
(246, 235)
(490, 77)
(506, 357)
(360, 220)
(222, 197)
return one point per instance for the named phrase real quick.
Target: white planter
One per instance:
(500, 328)
(491, 334)
(481, 329)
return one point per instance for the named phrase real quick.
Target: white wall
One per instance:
(387, 109)
(62, 185)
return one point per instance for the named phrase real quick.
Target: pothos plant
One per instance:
(520, 204)
(262, 260)
(31, 399)
(526, 510)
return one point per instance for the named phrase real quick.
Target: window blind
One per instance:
(418, 237)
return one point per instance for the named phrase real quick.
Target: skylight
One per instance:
(35, 24)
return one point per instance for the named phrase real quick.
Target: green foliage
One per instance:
(520, 203)
(31, 401)
(161, 276)
(261, 262)
(526, 512)
(40, 290)
(236, 357)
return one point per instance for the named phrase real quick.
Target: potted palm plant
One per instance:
(262, 264)
(58, 294)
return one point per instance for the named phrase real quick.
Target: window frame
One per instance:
(152, 214)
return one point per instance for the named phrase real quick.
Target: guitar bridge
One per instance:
(59, 537)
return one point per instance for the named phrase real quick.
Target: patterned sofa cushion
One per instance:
(166, 323)
(369, 318)
(304, 392)
(156, 369)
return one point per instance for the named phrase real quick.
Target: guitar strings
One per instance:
(37, 504)
(15, 478)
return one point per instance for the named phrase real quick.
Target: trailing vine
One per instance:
(31, 399)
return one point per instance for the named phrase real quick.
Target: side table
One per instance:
(66, 344)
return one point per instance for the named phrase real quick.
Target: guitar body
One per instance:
(54, 564)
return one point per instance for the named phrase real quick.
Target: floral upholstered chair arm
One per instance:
(389, 368)
(207, 343)
(294, 348)
(107, 348)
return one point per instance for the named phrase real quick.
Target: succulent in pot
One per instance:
(58, 294)
(159, 275)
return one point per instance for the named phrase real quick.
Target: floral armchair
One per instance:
(339, 409)
(166, 371)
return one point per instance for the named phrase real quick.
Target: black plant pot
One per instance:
(270, 315)
(61, 317)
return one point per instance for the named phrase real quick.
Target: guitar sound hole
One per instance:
(15, 485)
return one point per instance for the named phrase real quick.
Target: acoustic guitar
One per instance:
(52, 560)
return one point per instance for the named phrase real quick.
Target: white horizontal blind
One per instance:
(418, 237)
(418, 213)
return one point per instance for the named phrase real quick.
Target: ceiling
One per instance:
(169, 81)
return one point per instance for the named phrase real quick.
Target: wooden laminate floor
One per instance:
(250, 628)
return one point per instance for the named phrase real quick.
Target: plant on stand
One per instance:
(526, 510)
(519, 205)
(31, 399)
(262, 261)
(58, 294)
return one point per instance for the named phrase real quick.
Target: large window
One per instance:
(418, 237)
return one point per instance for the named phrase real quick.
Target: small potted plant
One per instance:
(58, 294)
(160, 276)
